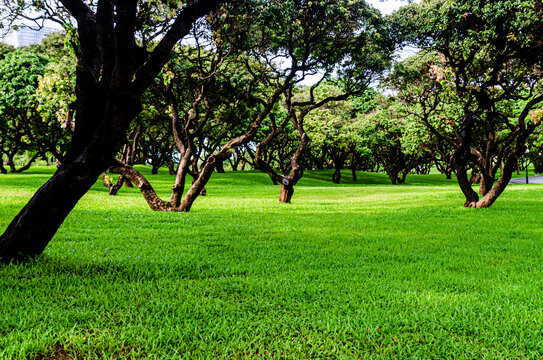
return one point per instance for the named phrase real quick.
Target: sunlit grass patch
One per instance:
(355, 270)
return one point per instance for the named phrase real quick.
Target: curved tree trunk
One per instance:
(180, 178)
(149, 194)
(111, 78)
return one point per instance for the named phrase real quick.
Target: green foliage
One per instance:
(365, 271)
(5, 49)
(56, 92)
(19, 75)
(346, 37)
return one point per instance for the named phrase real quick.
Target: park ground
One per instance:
(357, 270)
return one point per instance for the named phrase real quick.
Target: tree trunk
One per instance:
(286, 193)
(110, 80)
(393, 176)
(506, 175)
(3, 170)
(149, 194)
(27, 166)
(220, 167)
(32, 229)
(487, 182)
(336, 176)
(113, 190)
(199, 185)
(11, 164)
(171, 167)
(154, 170)
(353, 170)
(180, 178)
(465, 185)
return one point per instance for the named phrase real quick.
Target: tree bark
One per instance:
(336, 176)
(220, 167)
(180, 178)
(286, 193)
(149, 194)
(199, 185)
(32, 229)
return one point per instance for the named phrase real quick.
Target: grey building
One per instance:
(26, 36)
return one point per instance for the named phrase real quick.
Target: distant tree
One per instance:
(5, 49)
(393, 141)
(430, 103)
(345, 40)
(21, 126)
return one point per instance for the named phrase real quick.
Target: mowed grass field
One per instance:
(361, 270)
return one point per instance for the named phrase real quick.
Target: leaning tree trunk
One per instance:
(180, 178)
(108, 182)
(32, 229)
(199, 185)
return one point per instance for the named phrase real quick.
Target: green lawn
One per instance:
(357, 270)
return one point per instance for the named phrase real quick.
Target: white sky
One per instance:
(388, 6)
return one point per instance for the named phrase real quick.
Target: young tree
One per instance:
(115, 67)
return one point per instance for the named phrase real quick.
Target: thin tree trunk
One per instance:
(199, 185)
(180, 178)
(336, 176)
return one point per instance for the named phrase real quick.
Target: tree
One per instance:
(395, 144)
(492, 57)
(430, 104)
(115, 67)
(21, 126)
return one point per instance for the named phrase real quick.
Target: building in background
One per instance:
(26, 36)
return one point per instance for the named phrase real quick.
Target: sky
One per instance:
(388, 6)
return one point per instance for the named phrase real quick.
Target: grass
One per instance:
(358, 270)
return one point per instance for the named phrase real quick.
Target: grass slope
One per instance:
(365, 270)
